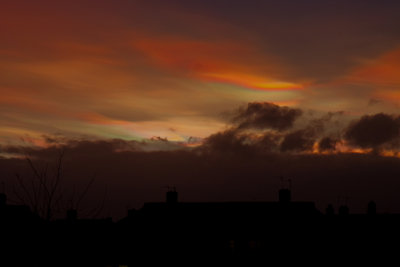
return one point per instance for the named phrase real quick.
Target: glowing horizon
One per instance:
(137, 70)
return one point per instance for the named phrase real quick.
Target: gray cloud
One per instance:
(266, 116)
(327, 143)
(373, 131)
(266, 128)
(300, 140)
(228, 141)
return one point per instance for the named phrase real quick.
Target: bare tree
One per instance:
(76, 198)
(44, 192)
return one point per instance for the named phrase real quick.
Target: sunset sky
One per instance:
(313, 77)
(138, 69)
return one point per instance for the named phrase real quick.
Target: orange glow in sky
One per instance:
(137, 69)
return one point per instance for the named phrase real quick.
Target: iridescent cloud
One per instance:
(225, 62)
(137, 69)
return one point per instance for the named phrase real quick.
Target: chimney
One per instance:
(371, 208)
(284, 196)
(172, 196)
(343, 210)
(3, 200)
(72, 215)
(330, 211)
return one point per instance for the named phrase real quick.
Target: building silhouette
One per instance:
(15, 214)
(267, 231)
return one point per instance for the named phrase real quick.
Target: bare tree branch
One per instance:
(25, 190)
(84, 192)
(44, 191)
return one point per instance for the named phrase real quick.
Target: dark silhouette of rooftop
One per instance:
(371, 210)
(225, 230)
(231, 210)
(15, 214)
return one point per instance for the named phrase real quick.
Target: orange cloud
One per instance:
(182, 131)
(383, 71)
(96, 118)
(250, 81)
(25, 100)
(74, 71)
(224, 62)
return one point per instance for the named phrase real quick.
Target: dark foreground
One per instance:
(248, 234)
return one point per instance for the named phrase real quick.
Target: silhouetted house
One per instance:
(15, 214)
(72, 215)
(3, 200)
(253, 209)
(220, 227)
(343, 210)
(330, 211)
(371, 210)
(225, 213)
(266, 229)
(172, 196)
(73, 219)
(285, 196)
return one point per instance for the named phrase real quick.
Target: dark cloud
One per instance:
(91, 148)
(318, 125)
(228, 141)
(236, 142)
(266, 116)
(300, 140)
(373, 131)
(327, 143)
(269, 142)
(374, 101)
(263, 128)
(12, 149)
